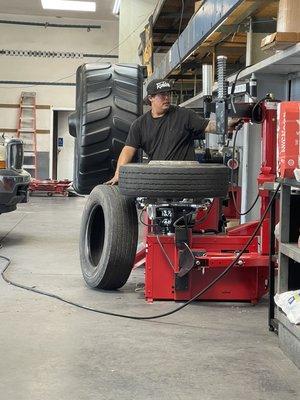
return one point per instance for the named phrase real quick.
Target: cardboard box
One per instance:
(288, 137)
(280, 40)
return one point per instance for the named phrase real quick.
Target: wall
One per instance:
(134, 16)
(41, 69)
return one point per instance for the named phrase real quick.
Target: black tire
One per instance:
(174, 179)
(108, 238)
(108, 100)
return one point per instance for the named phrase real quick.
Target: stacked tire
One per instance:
(174, 180)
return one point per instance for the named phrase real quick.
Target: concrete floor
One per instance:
(50, 350)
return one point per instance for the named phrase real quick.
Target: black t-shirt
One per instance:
(170, 137)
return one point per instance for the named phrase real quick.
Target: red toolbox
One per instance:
(50, 186)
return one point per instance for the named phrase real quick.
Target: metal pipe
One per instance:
(48, 54)
(207, 79)
(37, 83)
(245, 162)
(50, 25)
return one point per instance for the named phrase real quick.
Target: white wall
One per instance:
(133, 18)
(16, 68)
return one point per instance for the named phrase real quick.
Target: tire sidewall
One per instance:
(94, 274)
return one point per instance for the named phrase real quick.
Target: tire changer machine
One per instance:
(185, 261)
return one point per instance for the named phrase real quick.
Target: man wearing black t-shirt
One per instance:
(165, 132)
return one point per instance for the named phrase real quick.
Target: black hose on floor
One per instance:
(72, 303)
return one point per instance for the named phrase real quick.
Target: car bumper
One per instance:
(13, 188)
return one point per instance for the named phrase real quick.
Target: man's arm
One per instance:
(125, 157)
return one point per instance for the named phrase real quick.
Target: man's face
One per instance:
(160, 102)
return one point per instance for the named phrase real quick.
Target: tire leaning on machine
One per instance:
(108, 238)
(174, 179)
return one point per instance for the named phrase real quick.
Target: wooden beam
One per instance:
(13, 130)
(38, 107)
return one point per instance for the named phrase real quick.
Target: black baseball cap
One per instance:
(159, 86)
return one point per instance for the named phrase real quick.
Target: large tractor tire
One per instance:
(108, 238)
(108, 100)
(174, 180)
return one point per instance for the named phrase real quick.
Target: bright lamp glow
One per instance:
(116, 9)
(69, 5)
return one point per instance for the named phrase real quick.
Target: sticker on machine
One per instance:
(271, 105)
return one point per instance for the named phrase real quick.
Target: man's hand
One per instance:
(125, 157)
(113, 181)
(232, 124)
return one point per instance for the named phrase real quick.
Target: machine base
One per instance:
(245, 282)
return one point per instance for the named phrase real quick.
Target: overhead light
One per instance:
(116, 9)
(69, 5)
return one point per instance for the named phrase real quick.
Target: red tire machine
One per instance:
(182, 261)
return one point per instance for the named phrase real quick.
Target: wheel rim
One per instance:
(95, 235)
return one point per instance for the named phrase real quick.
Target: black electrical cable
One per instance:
(230, 266)
(254, 108)
(234, 85)
(197, 222)
(175, 224)
(236, 77)
(232, 192)
(205, 216)
(165, 253)
(142, 222)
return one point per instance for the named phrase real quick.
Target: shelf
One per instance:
(271, 186)
(291, 250)
(289, 338)
(282, 63)
(294, 329)
(289, 182)
(203, 23)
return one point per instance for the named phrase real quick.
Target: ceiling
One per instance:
(34, 8)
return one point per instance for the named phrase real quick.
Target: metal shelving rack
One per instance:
(281, 65)
(289, 270)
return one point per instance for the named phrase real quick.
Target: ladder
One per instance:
(26, 131)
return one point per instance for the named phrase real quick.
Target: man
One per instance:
(165, 132)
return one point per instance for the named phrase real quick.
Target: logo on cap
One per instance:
(161, 85)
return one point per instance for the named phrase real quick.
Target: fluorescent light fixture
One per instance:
(69, 5)
(116, 9)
